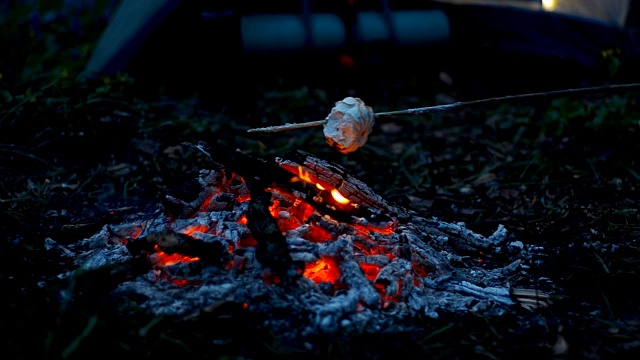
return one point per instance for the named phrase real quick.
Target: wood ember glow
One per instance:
(280, 244)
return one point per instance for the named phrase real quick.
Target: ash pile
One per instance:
(308, 247)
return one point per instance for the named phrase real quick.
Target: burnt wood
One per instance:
(171, 242)
(272, 250)
(370, 207)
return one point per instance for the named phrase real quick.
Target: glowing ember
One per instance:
(270, 279)
(135, 233)
(386, 229)
(338, 197)
(318, 234)
(172, 259)
(356, 247)
(205, 203)
(371, 271)
(179, 282)
(420, 269)
(303, 175)
(289, 211)
(243, 198)
(321, 270)
(301, 210)
(247, 241)
(196, 228)
(184, 282)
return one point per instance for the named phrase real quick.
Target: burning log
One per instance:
(352, 194)
(352, 261)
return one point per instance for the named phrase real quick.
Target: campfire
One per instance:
(303, 242)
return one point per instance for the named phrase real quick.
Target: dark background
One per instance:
(78, 152)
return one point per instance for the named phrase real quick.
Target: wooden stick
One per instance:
(462, 104)
(290, 126)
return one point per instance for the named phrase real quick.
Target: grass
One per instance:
(78, 153)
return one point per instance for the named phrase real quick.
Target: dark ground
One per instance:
(76, 154)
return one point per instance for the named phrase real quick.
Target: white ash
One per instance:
(454, 283)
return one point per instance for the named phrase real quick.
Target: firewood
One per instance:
(270, 237)
(272, 249)
(171, 242)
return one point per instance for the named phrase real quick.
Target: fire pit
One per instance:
(307, 245)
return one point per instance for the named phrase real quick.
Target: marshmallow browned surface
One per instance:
(349, 125)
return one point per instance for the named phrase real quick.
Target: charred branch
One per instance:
(209, 186)
(170, 242)
(272, 250)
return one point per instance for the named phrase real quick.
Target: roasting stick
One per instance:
(457, 105)
(289, 126)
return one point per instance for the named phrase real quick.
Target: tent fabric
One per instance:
(611, 12)
(131, 24)
(133, 40)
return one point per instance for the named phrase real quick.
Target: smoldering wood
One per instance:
(426, 266)
(272, 250)
(213, 250)
(371, 207)
(353, 276)
(338, 178)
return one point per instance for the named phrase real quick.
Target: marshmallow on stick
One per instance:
(349, 124)
(346, 128)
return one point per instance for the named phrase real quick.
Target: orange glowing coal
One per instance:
(420, 269)
(184, 282)
(289, 211)
(387, 298)
(324, 269)
(195, 228)
(243, 198)
(306, 177)
(338, 197)
(172, 259)
(273, 209)
(386, 229)
(303, 175)
(317, 234)
(371, 271)
(205, 203)
(247, 241)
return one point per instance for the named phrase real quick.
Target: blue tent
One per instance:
(157, 37)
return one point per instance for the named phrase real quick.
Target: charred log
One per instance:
(171, 242)
(334, 176)
(272, 250)
(301, 172)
